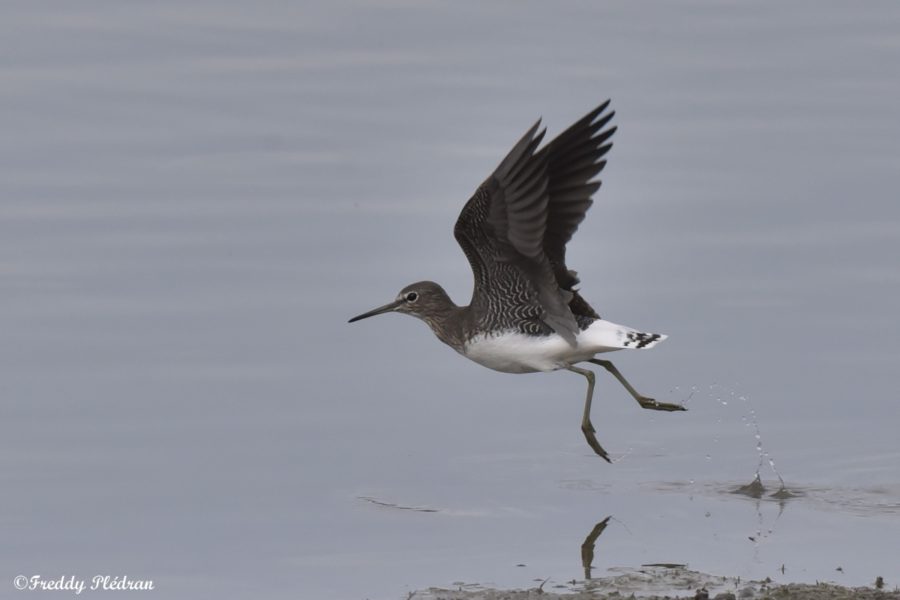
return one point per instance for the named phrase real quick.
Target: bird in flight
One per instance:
(526, 314)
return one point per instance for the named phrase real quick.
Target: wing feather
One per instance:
(575, 158)
(515, 227)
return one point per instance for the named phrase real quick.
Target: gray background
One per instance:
(197, 195)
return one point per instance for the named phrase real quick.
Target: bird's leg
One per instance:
(586, 427)
(644, 401)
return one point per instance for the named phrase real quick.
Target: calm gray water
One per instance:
(197, 195)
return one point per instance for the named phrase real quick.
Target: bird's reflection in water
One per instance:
(587, 548)
(755, 490)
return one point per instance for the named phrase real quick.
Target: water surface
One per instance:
(196, 196)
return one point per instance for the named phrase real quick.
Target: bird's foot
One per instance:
(651, 404)
(589, 435)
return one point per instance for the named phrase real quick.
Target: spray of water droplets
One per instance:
(764, 455)
(727, 396)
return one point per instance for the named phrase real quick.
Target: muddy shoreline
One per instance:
(658, 583)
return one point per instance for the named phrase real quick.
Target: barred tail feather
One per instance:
(640, 340)
(606, 336)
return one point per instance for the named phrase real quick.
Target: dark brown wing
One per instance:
(515, 228)
(573, 159)
(502, 229)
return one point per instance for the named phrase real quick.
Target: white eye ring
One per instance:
(411, 297)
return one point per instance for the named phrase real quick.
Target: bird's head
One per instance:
(425, 299)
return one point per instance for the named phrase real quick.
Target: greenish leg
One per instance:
(645, 402)
(586, 426)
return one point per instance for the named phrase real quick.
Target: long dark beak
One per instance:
(380, 310)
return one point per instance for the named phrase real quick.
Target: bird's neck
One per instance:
(449, 324)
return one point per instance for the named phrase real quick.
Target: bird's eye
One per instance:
(412, 297)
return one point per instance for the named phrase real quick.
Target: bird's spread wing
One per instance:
(574, 157)
(515, 227)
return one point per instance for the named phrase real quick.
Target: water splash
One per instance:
(763, 454)
(728, 397)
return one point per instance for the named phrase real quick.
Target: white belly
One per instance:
(513, 352)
